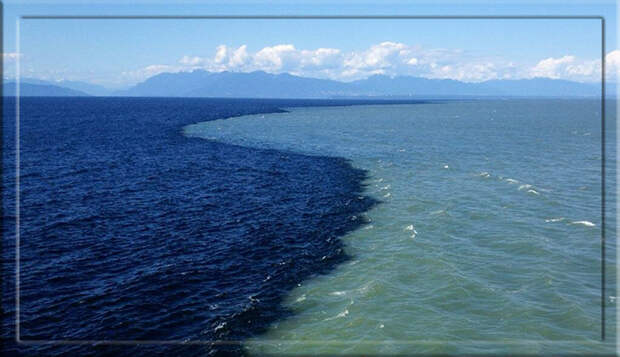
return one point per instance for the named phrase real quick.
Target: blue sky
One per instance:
(118, 53)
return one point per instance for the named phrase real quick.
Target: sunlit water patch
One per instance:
(487, 238)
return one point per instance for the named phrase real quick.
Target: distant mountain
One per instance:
(230, 84)
(265, 85)
(88, 88)
(39, 90)
(538, 87)
(260, 84)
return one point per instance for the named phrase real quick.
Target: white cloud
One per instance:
(273, 59)
(238, 57)
(612, 65)
(321, 57)
(9, 60)
(191, 61)
(552, 67)
(383, 55)
(472, 71)
(220, 54)
(149, 71)
(576, 69)
(388, 58)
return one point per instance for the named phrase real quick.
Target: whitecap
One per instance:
(554, 219)
(484, 174)
(411, 228)
(509, 180)
(387, 195)
(446, 166)
(525, 187)
(342, 314)
(338, 293)
(585, 223)
(533, 191)
(370, 226)
(301, 298)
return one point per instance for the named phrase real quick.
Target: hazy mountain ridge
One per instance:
(39, 90)
(259, 84)
(264, 85)
(88, 88)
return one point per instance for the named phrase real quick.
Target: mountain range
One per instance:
(39, 90)
(260, 84)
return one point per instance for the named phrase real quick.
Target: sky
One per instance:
(118, 53)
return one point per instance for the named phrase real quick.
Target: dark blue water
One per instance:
(132, 231)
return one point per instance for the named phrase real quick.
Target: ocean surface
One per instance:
(429, 227)
(487, 237)
(130, 230)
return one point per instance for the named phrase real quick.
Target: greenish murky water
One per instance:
(487, 238)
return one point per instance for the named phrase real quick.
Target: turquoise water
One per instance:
(486, 240)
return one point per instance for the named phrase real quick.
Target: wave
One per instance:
(411, 228)
(585, 223)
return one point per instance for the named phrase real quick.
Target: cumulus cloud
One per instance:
(612, 65)
(9, 59)
(573, 68)
(387, 58)
(390, 58)
(552, 67)
(381, 56)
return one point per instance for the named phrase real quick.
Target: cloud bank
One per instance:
(570, 67)
(387, 58)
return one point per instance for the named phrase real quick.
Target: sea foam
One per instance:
(585, 223)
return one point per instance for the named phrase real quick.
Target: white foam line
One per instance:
(585, 223)
(342, 314)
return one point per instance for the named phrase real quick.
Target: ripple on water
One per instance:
(475, 274)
